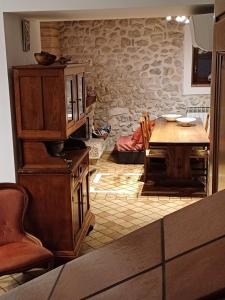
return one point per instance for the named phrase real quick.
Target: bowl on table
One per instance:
(171, 117)
(185, 121)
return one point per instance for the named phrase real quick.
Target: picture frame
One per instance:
(26, 35)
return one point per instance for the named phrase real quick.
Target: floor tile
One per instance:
(118, 206)
(39, 288)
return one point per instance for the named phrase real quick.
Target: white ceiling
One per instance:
(118, 13)
(105, 9)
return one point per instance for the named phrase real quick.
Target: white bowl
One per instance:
(171, 117)
(185, 121)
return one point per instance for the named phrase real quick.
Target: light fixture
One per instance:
(178, 19)
(168, 18)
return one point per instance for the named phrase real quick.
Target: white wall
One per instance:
(27, 5)
(11, 43)
(7, 172)
(13, 37)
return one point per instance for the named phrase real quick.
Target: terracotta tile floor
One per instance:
(118, 207)
(117, 203)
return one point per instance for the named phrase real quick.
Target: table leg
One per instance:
(178, 162)
(178, 180)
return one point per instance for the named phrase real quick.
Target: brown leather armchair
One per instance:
(19, 251)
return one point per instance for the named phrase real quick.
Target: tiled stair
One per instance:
(179, 257)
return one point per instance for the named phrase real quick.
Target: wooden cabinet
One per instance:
(54, 168)
(58, 212)
(217, 124)
(76, 209)
(81, 203)
(50, 101)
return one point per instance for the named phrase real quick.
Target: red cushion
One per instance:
(22, 255)
(125, 143)
(139, 147)
(137, 136)
(12, 206)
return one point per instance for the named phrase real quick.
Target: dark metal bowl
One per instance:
(44, 58)
(55, 148)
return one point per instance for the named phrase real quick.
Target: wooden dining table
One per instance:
(179, 142)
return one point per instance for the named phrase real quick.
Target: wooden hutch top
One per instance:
(50, 100)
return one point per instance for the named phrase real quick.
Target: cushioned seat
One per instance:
(22, 254)
(132, 142)
(19, 251)
(130, 149)
(126, 143)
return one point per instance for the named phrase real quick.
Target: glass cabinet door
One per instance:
(69, 97)
(76, 209)
(80, 94)
(75, 100)
(85, 195)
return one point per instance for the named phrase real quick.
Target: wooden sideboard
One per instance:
(53, 167)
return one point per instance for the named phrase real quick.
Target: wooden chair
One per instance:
(207, 122)
(199, 163)
(201, 155)
(19, 251)
(149, 153)
(147, 127)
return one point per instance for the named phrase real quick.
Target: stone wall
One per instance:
(135, 65)
(50, 38)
